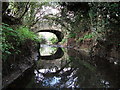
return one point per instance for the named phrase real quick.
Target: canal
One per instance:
(59, 67)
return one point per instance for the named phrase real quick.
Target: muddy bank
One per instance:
(22, 63)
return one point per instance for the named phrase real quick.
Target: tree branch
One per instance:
(37, 20)
(26, 9)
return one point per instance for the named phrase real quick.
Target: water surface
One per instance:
(68, 68)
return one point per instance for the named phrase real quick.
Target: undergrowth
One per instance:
(12, 39)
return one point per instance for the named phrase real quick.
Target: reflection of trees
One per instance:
(76, 73)
(53, 40)
(80, 72)
(49, 48)
(58, 54)
(42, 39)
(53, 50)
(96, 73)
(94, 76)
(86, 73)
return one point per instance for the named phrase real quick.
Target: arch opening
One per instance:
(58, 34)
(47, 38)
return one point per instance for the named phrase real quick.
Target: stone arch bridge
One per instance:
(45, 27)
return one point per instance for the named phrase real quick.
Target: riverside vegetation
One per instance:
(89, 26)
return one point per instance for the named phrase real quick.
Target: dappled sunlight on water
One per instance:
(72, 70)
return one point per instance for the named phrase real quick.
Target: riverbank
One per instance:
(26, 62)
(92, 48)
(76, 65)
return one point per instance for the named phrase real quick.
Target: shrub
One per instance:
(64, 40)
(24, 33)
(11, 39)
(87, 36)
(72, 35)
(8, 35)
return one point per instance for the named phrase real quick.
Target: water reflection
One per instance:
(50, 52)
(74, 70)
(47, 50)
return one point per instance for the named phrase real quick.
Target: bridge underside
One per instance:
(59, 34)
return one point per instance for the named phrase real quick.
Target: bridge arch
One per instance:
(58, 34)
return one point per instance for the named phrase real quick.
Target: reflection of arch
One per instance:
(59, 34)
(58, 54)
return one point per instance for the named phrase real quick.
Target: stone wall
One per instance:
(25, 61)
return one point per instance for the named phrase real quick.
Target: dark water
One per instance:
(67, 68)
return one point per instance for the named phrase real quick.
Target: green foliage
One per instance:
(80, 39)
(87, 36)
(30, 19)
(64, 40)
(24, 33)
(11, 39)
(101, 18)
(105, 20)
(53, 40)
(8, 35)
(72, 35)
(42, 39)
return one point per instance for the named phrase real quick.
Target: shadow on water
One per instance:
(72, 69)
